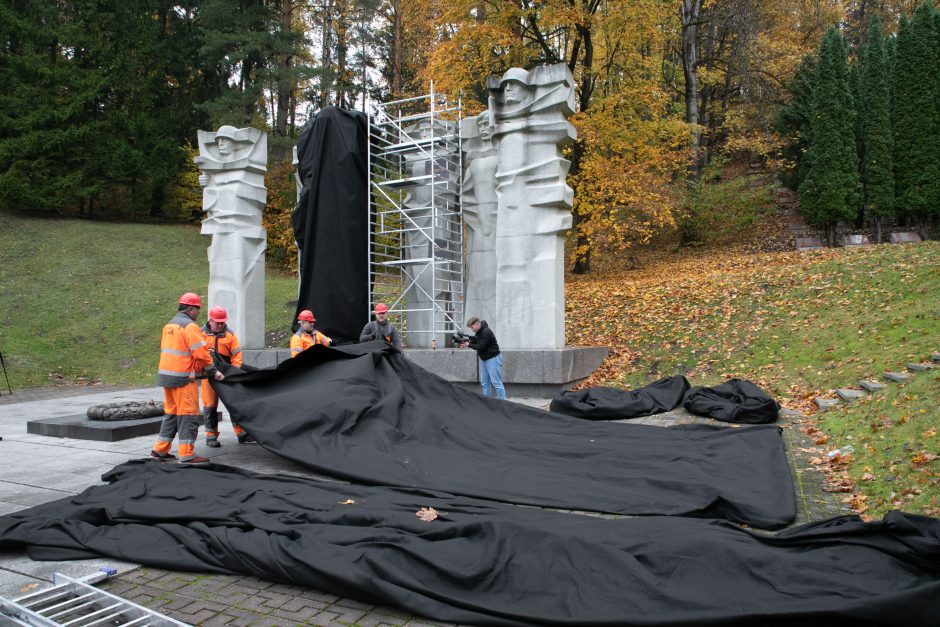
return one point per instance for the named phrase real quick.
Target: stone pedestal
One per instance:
(81, 427)
(536, 373)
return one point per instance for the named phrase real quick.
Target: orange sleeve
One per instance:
(236, 351)
(196, 341)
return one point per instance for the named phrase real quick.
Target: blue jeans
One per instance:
(491, 374)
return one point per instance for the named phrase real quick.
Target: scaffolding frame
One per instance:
(416, 230)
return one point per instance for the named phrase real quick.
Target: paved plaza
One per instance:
(38, 469)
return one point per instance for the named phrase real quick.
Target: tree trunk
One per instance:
(396, 87)
(690, 12)
(285, 82)
(326, 57)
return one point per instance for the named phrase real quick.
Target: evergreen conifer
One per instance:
(830, 192)
(877, 162)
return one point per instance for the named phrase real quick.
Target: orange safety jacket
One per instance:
(224, 343)
(183, 352)
(301, 341)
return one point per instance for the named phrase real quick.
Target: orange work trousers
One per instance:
(181, 406)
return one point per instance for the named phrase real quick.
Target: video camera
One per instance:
(459, 338)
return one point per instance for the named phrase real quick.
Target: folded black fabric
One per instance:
(365, 413)
(735, 400)
(485, 563)
(604, 403)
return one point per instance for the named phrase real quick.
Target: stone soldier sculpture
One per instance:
(479, 212)
(233, 163)
(530, 111)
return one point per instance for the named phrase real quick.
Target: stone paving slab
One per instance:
(847, 394)
(897, 377)
(871, 386)
(915, 367)
(826, 403)
(40, 469)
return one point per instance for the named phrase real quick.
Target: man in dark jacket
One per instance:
(491, 361)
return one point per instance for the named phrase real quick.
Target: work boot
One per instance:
(194, 461)
(163, 457)
(213, 443)
(244, 438)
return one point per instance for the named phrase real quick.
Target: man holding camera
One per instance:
(491, 361)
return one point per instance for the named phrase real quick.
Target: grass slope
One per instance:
(88, 300)
(800, 325)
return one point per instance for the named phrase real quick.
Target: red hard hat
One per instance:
(306, 315)
(218, 314)
(381, 308)
(191, 299)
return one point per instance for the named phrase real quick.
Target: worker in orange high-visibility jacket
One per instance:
(306, 335)
(183, 355)
(222, 342)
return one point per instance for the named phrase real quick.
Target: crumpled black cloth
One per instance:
(606, 403)
(366, 413)
(331, 222)
(485, 563)
(735, 400)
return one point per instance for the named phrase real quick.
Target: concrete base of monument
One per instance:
(527, 373)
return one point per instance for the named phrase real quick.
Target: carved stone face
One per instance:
(514, 92)
(483, 123)
(226, 146)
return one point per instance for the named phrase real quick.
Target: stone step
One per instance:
(847, 394)
(871, 386)
(826, 403)
(920, 367)
(897, 377)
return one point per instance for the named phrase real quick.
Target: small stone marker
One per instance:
(855, 240)
(904, 238)
(808, 243)
(920, 367)
(935, 358)
(796, 227)
(850, 395)
(897, 377)
(825, 403)
(871, 386)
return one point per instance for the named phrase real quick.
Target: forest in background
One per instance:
(102, 99)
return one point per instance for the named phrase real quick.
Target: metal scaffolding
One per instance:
(416, 252)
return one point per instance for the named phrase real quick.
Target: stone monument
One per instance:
(530, 111)
(479, 213)
(233, 162)
(432, 192)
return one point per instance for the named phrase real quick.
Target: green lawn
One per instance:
(89, 299)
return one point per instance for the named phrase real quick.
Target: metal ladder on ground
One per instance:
(77, 603)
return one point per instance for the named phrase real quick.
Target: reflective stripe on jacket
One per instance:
(301, 341)
(224, 343)
(183, 352)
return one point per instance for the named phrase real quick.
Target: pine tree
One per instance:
(877, 163)
(794, 120)
(917, 123)
(830, 192)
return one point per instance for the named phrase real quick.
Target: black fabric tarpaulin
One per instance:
(485, 563)
(331, 222)
(606, 403)
(365, 413)
(735, 400)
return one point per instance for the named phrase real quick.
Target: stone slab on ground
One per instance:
(935, 358)
(849, 241)
(897, 377)
(825, 404)
(847, 394)
(871, 386)
(907, 237)
(80, 427)
(915, 367)
(808, 243)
